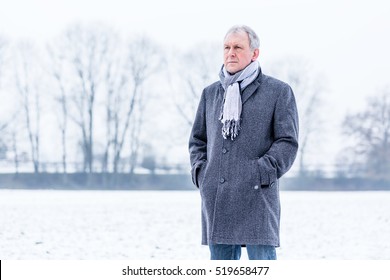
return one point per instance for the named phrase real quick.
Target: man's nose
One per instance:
(232, 52)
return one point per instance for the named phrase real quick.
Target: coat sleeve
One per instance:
(281, 155)
(198, 141)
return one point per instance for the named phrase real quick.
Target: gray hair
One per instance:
(254, 41)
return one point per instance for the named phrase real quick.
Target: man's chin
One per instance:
(232, 70)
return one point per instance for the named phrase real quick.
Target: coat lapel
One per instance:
(249, 90)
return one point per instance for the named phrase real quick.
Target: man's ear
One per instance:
(256, 53)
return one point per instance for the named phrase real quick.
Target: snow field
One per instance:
(140, 225)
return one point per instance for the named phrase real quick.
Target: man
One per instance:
(244, 138)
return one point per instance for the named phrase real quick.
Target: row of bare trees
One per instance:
(92, 81)
(100, 64)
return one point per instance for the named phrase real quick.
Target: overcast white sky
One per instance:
(347, 41)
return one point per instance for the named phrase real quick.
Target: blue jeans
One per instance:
(233, 252)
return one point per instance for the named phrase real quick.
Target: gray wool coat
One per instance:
(238, 179)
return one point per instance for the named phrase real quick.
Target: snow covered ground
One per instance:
(113, 225)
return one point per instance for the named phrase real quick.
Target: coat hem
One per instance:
(230, 241)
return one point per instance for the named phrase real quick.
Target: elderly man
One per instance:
(244, 138)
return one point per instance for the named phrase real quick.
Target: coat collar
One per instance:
(249, 90)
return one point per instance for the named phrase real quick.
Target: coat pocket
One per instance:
(198, 174)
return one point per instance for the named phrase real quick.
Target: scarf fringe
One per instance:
(231, 128)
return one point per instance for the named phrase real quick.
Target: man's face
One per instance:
(237, 52)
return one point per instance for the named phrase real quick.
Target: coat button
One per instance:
(222, 180)
(256, 187)
(224, 151)
(272, 184)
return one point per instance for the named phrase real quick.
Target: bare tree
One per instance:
(116, 81)
(143, 61)
(27, 71)
(308, 88)
(57, 71)
(86, 49)
(370, 131)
